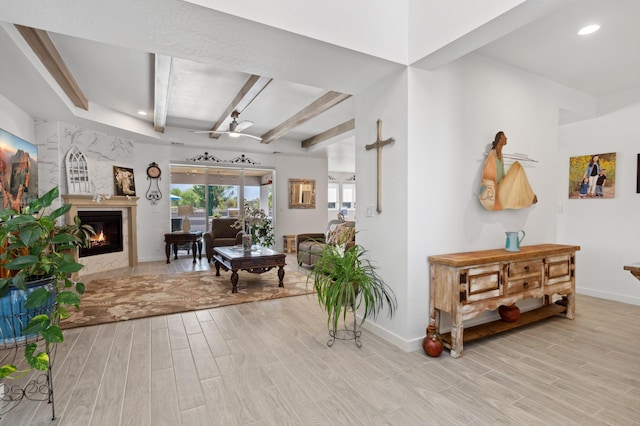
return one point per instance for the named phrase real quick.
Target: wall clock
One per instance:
(153, 171)
(153, 174)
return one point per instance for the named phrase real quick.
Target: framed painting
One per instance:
(19, 182)
(123, 180)
(592, 176)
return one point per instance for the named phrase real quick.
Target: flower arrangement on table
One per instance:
(254, 221)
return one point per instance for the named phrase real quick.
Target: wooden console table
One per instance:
(467, 284)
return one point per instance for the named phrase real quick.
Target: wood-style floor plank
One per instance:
(267, 363)
(110, 400)
(137, 393)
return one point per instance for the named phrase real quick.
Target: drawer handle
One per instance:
(525, 285)
(526, 269)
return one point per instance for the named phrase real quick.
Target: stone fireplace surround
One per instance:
(116, 202)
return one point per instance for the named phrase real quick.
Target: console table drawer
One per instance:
(483, 282)
(527, 268)
(559, 269)
(523, 284)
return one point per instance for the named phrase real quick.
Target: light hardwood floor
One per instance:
(267, 363)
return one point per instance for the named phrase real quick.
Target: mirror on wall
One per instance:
(302, 194)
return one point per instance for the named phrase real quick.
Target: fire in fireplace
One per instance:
(108, 227)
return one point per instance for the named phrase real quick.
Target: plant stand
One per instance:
(38, 388)
(346, 333)
(13, 319)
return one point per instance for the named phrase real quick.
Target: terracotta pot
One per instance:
(431, 343)
(509, 313)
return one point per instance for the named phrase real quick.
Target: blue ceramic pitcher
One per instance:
(513, 240)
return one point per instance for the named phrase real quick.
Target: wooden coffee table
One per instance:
(257, 261)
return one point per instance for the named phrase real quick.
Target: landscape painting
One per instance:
(592, 176)
(18, 171)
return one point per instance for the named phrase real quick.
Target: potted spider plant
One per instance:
(344, 279)
(37, 260)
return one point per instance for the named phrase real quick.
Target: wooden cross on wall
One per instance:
(378, 144)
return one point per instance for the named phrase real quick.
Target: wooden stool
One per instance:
(289, 243)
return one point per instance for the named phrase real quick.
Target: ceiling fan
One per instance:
(235, 128)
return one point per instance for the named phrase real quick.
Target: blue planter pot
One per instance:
(14, 317)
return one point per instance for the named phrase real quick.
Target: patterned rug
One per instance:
(121, 299)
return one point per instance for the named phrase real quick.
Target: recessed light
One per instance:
(142, 112)
(589, 29)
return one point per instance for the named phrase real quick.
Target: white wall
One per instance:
(15, 121)
(607, 230)
(442, 130)
(384, 235)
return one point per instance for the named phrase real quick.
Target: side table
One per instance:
(289, 243)
(177, 238)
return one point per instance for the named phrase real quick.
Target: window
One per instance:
(218, 192)
(348, 196)
(333, 195)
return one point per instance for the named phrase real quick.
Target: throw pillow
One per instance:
(328, 234)
(342, 234)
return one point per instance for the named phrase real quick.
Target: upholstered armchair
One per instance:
(222, 234)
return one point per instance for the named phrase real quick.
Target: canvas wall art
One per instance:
(124, 183)
(592, 176)
(18, 171)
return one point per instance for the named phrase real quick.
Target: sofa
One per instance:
(222, 234)
(310, 246)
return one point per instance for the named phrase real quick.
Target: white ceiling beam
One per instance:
(320, 105)
(43, 47)
(161, 92)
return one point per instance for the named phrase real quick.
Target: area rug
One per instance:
(121, 299)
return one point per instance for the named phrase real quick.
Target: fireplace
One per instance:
(108, 227)
(128, 206)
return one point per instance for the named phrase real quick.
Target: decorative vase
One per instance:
(431, 343)
(509, 313)
(246, 242)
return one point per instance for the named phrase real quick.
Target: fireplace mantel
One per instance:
(130, 204)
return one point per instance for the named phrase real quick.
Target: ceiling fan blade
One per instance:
(251, 136)
(227, 133)
(244, 125)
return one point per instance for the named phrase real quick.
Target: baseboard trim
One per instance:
(632, 300)
(405, 345)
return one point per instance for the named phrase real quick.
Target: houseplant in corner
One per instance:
(36, 263)
(344, 279)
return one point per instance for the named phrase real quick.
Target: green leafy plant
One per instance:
(34, 247)
(255, 221)
(342, 278)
